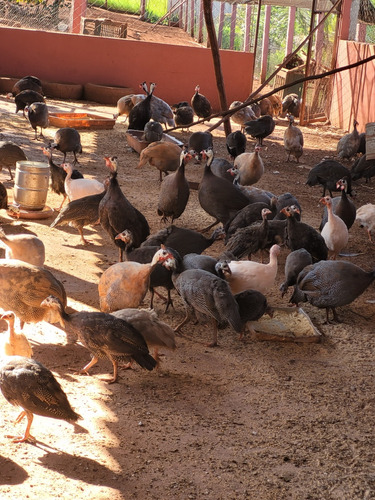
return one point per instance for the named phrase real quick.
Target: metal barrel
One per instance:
(31, 184)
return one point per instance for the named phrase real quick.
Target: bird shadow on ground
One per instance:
(11, 473)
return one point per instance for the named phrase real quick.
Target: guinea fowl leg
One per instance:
(10, 173)
(183, 322)
(27, 436)
(85, 369)
(62, 203)
(115, 373)
(369, 235)
(214, 335)
(209, 227)
(84, 241)
(75, 158)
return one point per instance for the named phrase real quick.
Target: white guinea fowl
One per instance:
(244, 275)
(248, 168)
(335, 232)
(366, 217)
(14, 344)
(78, 188)
(25, 247)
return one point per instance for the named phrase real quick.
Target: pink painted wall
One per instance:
(354, 90)
(71, 58)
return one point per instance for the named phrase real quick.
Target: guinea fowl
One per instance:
(157, 334)
(153, 131)
(174, 191)
(250, 239)
(331, 284)
(366, 217)
(26, 247)
(348, 145)
(286, 200)
(25, 98)
(183, 115)
(362, 144)
(165, 156)
(14, 344)
(125, 284)
(38, 116)
(334, 232)
(221, 168)
(182, 240)
(249, 275)
(24, 286)
(80, 187)
(294, 263)
(327, 173)
(291, 104)
(260, 128)
(198, 261)
(247, 216)
(236, 143)
(116, 213)
(218, 197)
(363, 168)
(293, 140)
(161, 111)
(28, 384)
(58, 176)
(243, 115)
(105, 336)
(10, 153)
(200, 104)
(199, 141)
(342, 206)
(67, 140)
(252, 306)
(80, 213)
(3, 197)
(141, 112)
(300, 235)
(248, 168)
(28, 82)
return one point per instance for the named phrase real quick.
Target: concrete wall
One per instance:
(71, 58)
(354, 90)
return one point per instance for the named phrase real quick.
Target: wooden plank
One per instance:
(192, 18)
(247, 29)
(221, 24)
(290, 33)
(265, 44)
(233, 26)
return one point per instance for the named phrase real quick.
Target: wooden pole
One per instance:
(307, 68)
(256, 42)
(207, 10)
(247, 29)
(290, 34)
(233, 26)
(266, 42)
(221, 25)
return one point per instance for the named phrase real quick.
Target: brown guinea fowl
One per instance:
(38, 116)
(174, 191)
(260, 128)
(28, 384)
(165, 156)
(327, 173)
(218, 197)
(250, 239)
(301, 235)
(12, 343)
(200, 104)
(342, 206)
(348, 145)
(117, 213)
(331, 284)
(80, 213)
(25, 98)
(293, 140)
(10, 153)
(24, 286)
(294, 263)
(26, 247)
(105, 336)
(67, 140)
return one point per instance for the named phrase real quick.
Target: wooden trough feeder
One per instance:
(136, 141)
(81, 121)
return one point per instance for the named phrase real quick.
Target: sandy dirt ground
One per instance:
(245, 420)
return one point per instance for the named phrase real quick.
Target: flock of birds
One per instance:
(231, 290)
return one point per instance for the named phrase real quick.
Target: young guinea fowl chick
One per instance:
(348, 145)
(165, 156)
(67, 140)
(366, 218)
(260, 128)
(24, 286)
(248, 168)
(293, 140)
(153, 131)
(26, 247)
(125, 284)
(249, 275)
(243, 115)
(294, 263)
(105, 336)
(300, 235)
(174, 191)
(218, 197)
(342, 206)
(200, 104)
(327, 173)
(236, 143)
(14, 344)
(335, 232)
(78, 188)
(38, 116)
(331, 284)
(250, 239)
(10, 153)
(80, 213)
(116, 213)
(157, 334)
(28, 384)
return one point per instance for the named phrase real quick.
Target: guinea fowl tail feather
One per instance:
(145, 361)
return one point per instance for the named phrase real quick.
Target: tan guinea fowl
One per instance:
(335, 232)
(164, 156)
(248, 168)
(28, 384)
(293, 140)
(26, 247)
(14, 344)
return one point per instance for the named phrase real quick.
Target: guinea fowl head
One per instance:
(327, 200)
(207, 154)
(257, 148)
(47, 150)
(165, 257)
(126, 236)
(56, 309)
(197, 88)
(8, 316)
(68, 167)
(144, 87)
(111, 163)
(290, 211)
(265, 212)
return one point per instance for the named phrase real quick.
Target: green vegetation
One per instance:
(155, 9)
